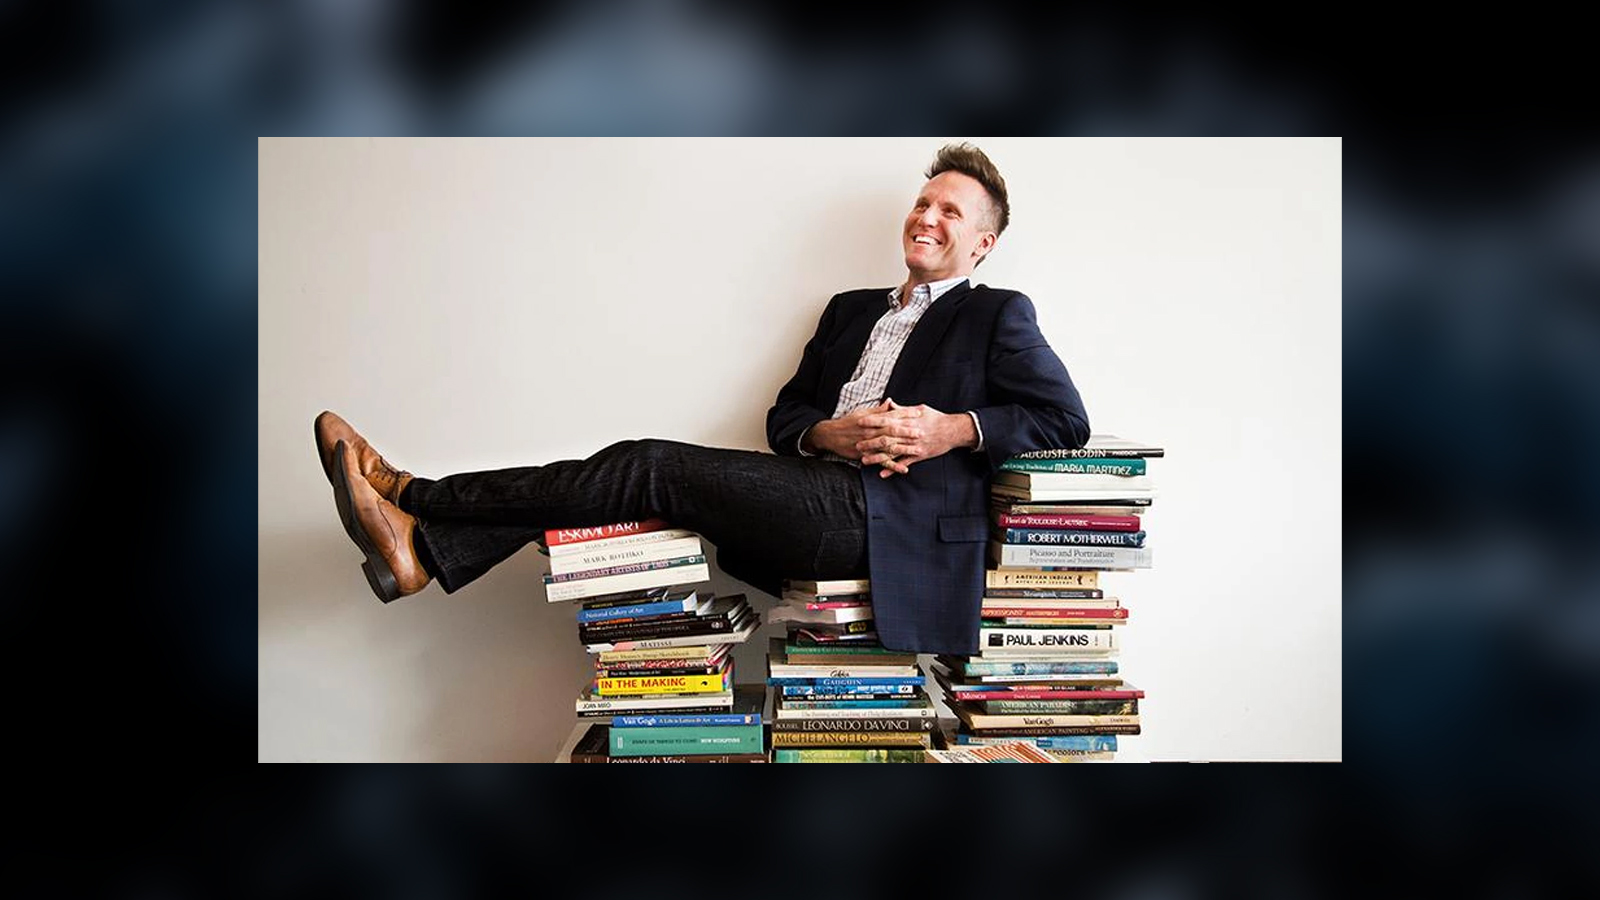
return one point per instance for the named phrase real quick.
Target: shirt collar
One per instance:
(935, 290)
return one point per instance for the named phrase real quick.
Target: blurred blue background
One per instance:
(1472, 343)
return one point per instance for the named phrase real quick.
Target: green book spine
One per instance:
(667, 741)
(1079, 466)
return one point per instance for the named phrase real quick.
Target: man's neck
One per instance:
(914, 281)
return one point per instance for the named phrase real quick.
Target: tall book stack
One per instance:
(835, 693)
(1049, 636)
(663, 687)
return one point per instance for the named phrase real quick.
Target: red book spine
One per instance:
(1028, 612)
(1062, 521)
(556, 536)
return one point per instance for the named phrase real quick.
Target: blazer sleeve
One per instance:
(1033, 402)
(796, 409)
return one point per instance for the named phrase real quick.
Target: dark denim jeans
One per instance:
(778, 516)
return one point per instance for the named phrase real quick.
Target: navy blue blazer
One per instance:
(979, 349)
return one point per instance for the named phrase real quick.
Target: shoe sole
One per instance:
(316, 439)
(377, 571)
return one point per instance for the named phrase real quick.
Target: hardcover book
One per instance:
(1108, 446)
(555, 537)
(594, 747)
(1101, 465)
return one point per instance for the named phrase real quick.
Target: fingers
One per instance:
(890, 446)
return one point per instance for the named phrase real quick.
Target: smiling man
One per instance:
(904, 402)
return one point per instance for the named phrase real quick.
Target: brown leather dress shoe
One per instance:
(379, 528)
(329, 430)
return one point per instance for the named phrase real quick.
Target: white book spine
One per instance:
(608, 584)
(618, 556)
(890, 712)
(1024, 555)
(626, 540)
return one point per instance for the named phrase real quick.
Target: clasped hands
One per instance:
(893, 435)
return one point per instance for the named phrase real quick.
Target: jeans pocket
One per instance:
(841, 554)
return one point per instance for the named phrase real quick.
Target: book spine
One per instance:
(577, 590)
(1060, 707)
(1030, 638)
(1094, 667)
(1062, 579)
(660, 612)
(1099, 465)
(619, 657)
(1071, 482)
(577, 564)
(668, 720)
(776, 670)
(806, 690)
(825, 738)
(1092, 453)
(738, 635)
(600, 633)
(851, 754)
(816, 650)
(1075, 557)
(1080, 523)
(1083, 743)
(1054, 730)
(558, 536)
(852, 682)
(1000, 612)
(822, 708)
(1083, 496)
(1043, 720)
(1073, 537)
(720, 702)
(1099, 696)
(626, 742)
(843, 586)
(1000, 593)
(885, 724)
(672, 684)
(675, 758)
(628, 540)
(653, 671)
(626, 569)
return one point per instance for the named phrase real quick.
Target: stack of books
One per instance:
(835, 694)
(1049, 636)
(662, 642)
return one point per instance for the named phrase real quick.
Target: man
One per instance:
(904, 402)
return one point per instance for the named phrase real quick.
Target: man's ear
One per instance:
(985, 244)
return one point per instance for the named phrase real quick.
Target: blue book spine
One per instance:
(1082, 538)
(685, 720)
(806, 690)
(635, 611)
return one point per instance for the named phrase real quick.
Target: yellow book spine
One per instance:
(661, 684)
(832, 738)
(1024, 578)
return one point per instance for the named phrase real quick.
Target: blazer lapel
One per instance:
(925, 338)
(846, 352)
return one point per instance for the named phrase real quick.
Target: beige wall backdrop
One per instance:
(481, 303)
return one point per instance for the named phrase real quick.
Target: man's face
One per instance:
(946, 231)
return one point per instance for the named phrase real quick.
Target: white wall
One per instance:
(483, 303)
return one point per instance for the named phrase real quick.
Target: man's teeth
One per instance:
(922, 239)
